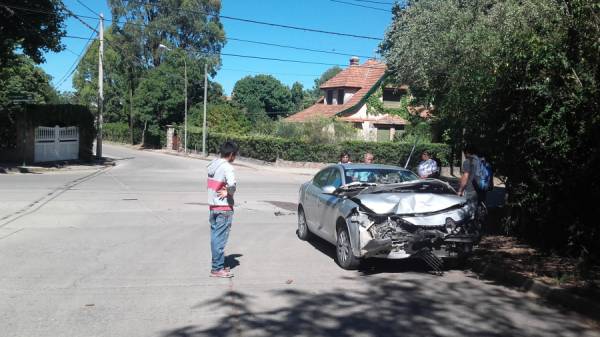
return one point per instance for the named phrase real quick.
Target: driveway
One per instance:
(125, 252)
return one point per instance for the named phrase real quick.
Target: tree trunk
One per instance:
(144, 134)
(131, 113)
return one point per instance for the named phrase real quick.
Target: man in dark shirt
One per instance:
(469, 168)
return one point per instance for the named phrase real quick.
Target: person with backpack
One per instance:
(476, 179)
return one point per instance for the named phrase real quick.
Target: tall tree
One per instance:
(519, 78)
(21, 79)
(190, 25)
(263, 92)
(297, 96)
(34, 31)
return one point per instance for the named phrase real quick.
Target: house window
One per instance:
(383, 134)
(392, 97)
(329, 96)
(340, 98)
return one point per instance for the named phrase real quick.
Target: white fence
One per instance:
(56, 143)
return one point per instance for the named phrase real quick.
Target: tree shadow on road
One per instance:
(384, 307)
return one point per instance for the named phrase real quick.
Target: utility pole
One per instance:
(204, 118)
(100, 89)
(186, 104)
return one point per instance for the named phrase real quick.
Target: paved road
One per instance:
(124, 252)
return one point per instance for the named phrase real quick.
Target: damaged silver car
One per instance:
(380, 211)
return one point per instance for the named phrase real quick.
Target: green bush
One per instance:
(116, 132)
(270, 148)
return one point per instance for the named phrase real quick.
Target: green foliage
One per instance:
(33, 32)
(271, 148)
(375, 103)
(119, 132)
(521, 78)
(263, 93)
(20, 78)
(221, 117)
(297, 93)
(315, 131)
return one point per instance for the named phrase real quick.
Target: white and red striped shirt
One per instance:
(220, 175)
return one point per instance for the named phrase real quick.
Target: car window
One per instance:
(379, 176)
(320, 178)
(335, 179)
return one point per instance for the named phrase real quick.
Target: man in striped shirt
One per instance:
(221, 188)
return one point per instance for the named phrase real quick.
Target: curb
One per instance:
(552, 294)
(46, 169)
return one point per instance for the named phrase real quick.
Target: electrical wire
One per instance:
(362, 6)
(73, 67)
(375, 2)
(271, 24)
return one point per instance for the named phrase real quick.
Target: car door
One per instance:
(311, 199)
(329, 205)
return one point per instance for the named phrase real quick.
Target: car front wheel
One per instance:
(303, 232)
(345, 258)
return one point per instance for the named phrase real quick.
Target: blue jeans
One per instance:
(220, 224)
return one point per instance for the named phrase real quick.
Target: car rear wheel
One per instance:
(303, 232)
(345, 258)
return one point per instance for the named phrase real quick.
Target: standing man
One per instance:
(469, 172)
(368, 159)
(221, 188)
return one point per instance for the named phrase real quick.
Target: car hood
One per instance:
(409, 202)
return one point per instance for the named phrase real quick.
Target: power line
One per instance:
(296, 48)
(375, 2)
(73, 67)
(363, 6)
(269, 44)
(271, 24)
(268, 73)
(84, 5)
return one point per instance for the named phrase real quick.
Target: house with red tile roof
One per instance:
(345, 97)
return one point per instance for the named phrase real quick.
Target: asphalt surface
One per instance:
(125, 252)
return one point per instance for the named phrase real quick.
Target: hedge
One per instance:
(270, 149)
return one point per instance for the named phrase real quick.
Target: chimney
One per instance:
(354, 61)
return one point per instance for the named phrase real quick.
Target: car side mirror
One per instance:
(329, 189)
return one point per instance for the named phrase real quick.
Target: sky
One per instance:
(343, 16)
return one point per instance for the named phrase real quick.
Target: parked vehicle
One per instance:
(383, 211)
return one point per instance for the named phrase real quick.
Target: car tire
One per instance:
(343, 250)
(303, 232)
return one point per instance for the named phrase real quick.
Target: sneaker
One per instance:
(222, 273)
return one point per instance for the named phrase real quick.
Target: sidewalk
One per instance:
(60, 166)
(553, 278)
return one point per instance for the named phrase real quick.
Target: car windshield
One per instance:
(378, 176)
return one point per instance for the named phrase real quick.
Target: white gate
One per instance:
(56, 143)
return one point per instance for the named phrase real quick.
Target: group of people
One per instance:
(368, 158)
(428, 167)
(221, 186)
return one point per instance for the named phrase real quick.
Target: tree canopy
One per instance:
(263, 92)
(21, 79)
(33, 31)
(144, 84)
(519, 79)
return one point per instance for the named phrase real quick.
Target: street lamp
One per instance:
(162, 46)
